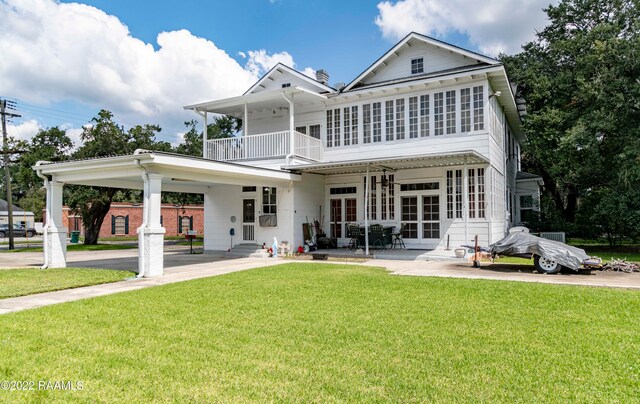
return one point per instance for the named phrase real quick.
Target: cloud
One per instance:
(57, 52)
(24, 130)
(493, 26)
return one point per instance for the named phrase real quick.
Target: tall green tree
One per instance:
(221, 127)
(104, 137)
(580, 81)
(50, 144)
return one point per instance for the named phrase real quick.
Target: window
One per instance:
(314, 131)
(185, 223)
(372, 208)
(336, 127)
(472, 193)
(351, 212)
(431, 216)
(120, 225)
(438, 113)
(354, 124)
(342, 190)
(451, 112)
(526, 208)
(335, 216)
(366, 123)
(347, 125)
(481, 192)
(413, 117)
(465, 110)
(391, 199)
(423, 186)
(387, 205)
(377, 125)
(400, 118)
(301, 129)
(285, 85)
(269, 200)
(329, 128)
(478, 108)
(424, 115)
(388, 108)
(417, 65)
(248, 189)
(454, 194)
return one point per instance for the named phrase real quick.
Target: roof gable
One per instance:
(436, 56)
(281, 75)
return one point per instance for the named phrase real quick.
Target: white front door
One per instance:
(421, 217)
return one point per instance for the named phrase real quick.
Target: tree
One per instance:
(221, 127)
(579, 78)
(50, 144)
(101, 139)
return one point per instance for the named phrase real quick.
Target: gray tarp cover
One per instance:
(525, 243)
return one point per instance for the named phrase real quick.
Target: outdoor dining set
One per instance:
(379, 236)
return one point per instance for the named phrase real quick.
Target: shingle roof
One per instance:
(521, 175)
(4, 206)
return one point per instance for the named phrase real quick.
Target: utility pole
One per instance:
(4, 105)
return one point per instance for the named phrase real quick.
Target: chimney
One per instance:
(322, 76)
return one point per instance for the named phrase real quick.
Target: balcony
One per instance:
(265, 146)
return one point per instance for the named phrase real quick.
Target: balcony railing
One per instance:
(265, 146)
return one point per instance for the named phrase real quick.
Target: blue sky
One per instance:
(144, 60)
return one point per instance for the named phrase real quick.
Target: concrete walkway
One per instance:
(181, 266)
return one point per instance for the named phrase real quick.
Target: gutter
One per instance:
(47, 225)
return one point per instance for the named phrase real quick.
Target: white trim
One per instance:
(295, 73)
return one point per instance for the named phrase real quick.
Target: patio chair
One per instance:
(397, 238)
(376, 238)
(353, 231)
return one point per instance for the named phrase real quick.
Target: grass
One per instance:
(27, 281)
(320, 332)
(79, 247)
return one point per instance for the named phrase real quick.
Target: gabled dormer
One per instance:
(282, 76)
(417, 56)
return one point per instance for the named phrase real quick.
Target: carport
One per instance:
(152, 172)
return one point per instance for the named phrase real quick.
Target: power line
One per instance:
(4, 106)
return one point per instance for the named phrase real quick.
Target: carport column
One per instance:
(55, 234)
(151, 233)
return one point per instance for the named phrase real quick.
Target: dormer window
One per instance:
(417, 65)
(285, 85)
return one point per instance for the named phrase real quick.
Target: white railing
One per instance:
(263, 146)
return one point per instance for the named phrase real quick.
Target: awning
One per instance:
(394, 163)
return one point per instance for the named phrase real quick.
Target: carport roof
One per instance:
(180, 173)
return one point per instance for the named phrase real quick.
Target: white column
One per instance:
(151, 233)
(465, 201)
(291, 127)
(205, 151)
(55, 234)
(245, 121)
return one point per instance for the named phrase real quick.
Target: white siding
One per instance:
(435, 59)
(309, 201)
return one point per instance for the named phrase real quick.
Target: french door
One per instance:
(342, 211)
(248, 219)
(421, 217)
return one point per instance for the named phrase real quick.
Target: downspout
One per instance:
(145, 205)
(291, 141)
(47, 225)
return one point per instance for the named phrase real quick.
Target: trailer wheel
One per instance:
(545, 265)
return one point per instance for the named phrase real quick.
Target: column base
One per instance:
(151, 251)
(55, 247)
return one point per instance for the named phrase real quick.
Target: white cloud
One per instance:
(309, 72)
(74, 52)
(24, 130)
(260, 61)
(494, 26)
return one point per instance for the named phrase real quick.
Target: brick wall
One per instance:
(125, 218)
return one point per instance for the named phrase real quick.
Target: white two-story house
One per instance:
(431, 129)
(426, 139)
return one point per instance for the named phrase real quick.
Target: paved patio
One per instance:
(181, 266)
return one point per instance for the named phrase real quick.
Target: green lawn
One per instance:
(316, 332)
(27, 281)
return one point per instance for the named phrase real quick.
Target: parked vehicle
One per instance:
(548, 256)
(18, 231)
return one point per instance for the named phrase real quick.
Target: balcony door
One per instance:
(343, 211)
(421, 217)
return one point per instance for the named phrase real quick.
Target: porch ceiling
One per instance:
(394, 163)
(180, 173)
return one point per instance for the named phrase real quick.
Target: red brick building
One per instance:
(124, 219)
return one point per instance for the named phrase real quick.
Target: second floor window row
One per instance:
(435, 114)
